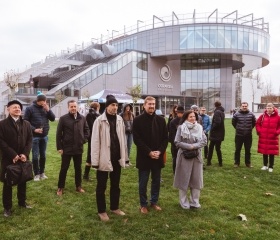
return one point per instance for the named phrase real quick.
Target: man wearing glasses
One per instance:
(243, 121)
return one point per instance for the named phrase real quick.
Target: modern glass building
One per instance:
(180, 59)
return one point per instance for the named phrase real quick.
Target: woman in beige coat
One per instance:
(189, 172)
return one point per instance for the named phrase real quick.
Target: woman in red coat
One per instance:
(268, 129)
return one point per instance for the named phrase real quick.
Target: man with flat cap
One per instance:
(108, 155)
(15, 145)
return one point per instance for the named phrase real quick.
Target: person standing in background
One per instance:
(128, 117)
(39, 114)
(206, 124)
(172, 133)
(108, 155)
(15, 145)
(268, 130)
(90, 117)
(172, 115)
(71, 134)
(217, 133)
(243, 121)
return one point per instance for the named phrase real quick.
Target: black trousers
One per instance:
(7, 195)
(217, 145)
(206, 147)
(174, 151)
(65, 162)
(271, 160)
(102, 177)
(239, 141)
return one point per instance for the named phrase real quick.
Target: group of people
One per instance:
(110, 137)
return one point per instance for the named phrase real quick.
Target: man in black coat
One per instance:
(151, 138)
(217, 133)
(71, 134)
(243, 121)
(15, 145)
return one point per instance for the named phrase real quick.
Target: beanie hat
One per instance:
(180, 109)
(14, 102)
(41, 96)
(110, 99)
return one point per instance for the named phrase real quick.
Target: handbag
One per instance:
(18, 173)
(190, 154)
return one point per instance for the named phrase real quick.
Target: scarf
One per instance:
(196, 130)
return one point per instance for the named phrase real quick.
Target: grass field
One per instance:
(227, 193)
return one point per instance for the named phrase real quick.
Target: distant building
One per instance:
(180, 59)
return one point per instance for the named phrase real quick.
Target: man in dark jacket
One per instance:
(90, 117)
(15, 145)
(172, 134)
(71, 134)
(243, 121)
(217, 133)
(151, 139)
(39, 114)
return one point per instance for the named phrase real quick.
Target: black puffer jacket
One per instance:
(217, 132)
(243, 122)
(38, 117)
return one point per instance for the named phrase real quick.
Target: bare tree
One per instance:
(11, 79)
(135, 93)
(268, 92)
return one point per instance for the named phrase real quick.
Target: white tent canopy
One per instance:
(120, 96)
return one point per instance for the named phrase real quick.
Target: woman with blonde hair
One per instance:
(268, 130)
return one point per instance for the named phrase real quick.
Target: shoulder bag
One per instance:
(18, 173)
(190, 154)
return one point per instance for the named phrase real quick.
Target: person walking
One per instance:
(206, 124)
(151, 139)
(15, 145)
(71, 134)
(128, 116)
(108, 155)
(172, 133)
(39, 114)
(217, 133)
(90, 117)
(268, 130)
(189, 172)
(243, 121)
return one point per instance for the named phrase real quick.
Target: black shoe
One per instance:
(86, 177)
(7, 212)
(25, 205)
(220, 164)
(209, 164)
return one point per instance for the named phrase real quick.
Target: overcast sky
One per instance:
(33, 29)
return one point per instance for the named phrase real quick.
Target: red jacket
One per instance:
(268, 129)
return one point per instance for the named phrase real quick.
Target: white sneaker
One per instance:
(264, 168)
(37, 178)
(43, 176)
(270, 169)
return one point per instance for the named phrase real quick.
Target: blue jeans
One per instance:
(155, 185)
(39, 146)
(129, 139)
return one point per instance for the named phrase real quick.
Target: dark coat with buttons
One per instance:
(13, 142)
(71, 134)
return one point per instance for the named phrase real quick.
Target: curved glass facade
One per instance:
(223, 36)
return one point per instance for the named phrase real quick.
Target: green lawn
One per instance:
(227, 193)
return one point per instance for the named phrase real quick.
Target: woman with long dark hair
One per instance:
(189, 172)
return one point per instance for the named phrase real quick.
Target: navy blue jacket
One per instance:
(38, 117)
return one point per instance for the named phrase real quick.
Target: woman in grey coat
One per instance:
(189, 172)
